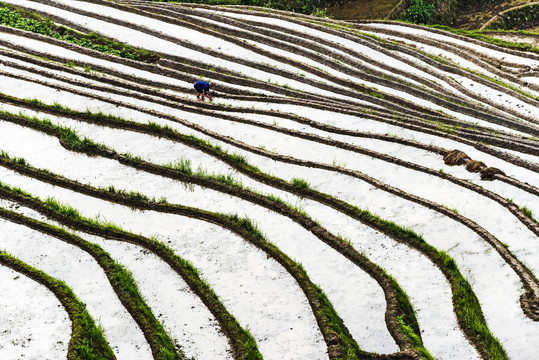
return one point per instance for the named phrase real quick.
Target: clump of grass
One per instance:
(275, 198)
(226, 179)
(298, 209)
(72, 141)
(162, 200)
(183, 166)
(244, 223)
(345, 239)
(133, 159)
(450, 129)
(58, 106)
(527, 212)
(300, 183)
(62, 209)
(414, 338)
(239, 159)
(20, 161)
(377, 94)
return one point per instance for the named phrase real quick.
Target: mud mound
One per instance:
(475, 166)
(489, 173)
(456, 157)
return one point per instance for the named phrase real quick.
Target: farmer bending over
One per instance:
(203, 88)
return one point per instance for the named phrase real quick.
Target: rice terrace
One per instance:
(353, 190)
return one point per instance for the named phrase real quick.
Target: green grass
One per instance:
(227, 179)
(527, 212)
(523, 208)
(300, 183)
(121, 280)
(447, 128)
(466, 304)
(183, 166)
(237, 161)
(416, 340)
(505, 85)
(241, 226)
(88, 340)
(183, 267)
(479, 35)
(21, 19)
(130, 157)
(334, 321)
(130, 195)
(469, 312)
(309, 7)
(475, 325)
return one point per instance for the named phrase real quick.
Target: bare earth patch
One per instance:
(362, 9)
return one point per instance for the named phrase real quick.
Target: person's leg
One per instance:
(199, 91)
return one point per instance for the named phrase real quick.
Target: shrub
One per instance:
(419, 12)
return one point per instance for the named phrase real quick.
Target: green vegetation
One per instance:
(416, 340)
(524, 209)
(350, 349)
(87, 339)
(505, 85)
(450, 129)
(71, 217)
(527, 212)
(521, 18)
(467, 307)
(300, 183)
(18, 18)
(121, 280)
(377, 94)
(240, 159)
(183, 166)
(442, 12)
(129, 195)
(309, 7)
(466, 304)
(136, 198)
(245, 228)
(133, 159)
(418, 12)
(484, 36)
(469, 312)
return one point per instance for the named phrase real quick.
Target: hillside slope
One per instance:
(354, 190)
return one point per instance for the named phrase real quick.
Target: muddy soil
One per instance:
(529, 39)
(362, 9)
